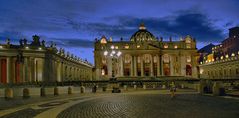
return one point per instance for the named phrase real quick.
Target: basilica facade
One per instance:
(145, 56)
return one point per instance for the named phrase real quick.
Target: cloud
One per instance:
(195, 24)
(73, 43)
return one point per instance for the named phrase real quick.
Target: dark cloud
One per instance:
(195, 24)
(76, 43)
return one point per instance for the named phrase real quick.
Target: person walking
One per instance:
(172, 90)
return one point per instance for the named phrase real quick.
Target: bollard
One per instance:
(202, 86)
(182, 86)
(26, 93)
(153, 86)
(144, 87)
(70, 90)
(56, 91)
(8, 93)
(135, 86)
(104, 88)
(125, 87)
(82, 89)
(43, 92)
(218, 89)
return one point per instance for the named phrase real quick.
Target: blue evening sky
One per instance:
(74, 24)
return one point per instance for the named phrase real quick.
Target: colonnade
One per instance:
(41, 69)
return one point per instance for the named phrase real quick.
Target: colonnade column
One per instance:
(9, 69)
(26, 72)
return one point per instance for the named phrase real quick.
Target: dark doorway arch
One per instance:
(188, 69)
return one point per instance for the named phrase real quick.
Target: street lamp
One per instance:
(112, 54)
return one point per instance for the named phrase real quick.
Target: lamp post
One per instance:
(113, 54)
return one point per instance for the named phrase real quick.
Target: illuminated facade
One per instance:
(223, 62)
(34, 62)
(145, 56)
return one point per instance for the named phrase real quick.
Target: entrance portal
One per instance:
(166, 69)
(188, 69)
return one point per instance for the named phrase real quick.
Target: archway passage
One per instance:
(188, 70)
(166, 69)
(3, 71)
(127, 69)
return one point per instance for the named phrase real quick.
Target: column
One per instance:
(32, 71)
(9, 70)
(171, 63)
(151, 66)
(142, 66)
(132, 66)
(161, 65)
(158, 66)
(135, 66)
(183, 65)
(59, 71)
(26, 65)
(194, 68)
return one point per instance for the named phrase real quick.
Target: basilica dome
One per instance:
(142, 35)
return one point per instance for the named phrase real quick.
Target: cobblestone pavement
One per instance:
(141, 104)
(154, 106)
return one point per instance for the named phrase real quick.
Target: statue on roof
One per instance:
(25, 41)
(36, 41)
(43, 43)
(8, 41)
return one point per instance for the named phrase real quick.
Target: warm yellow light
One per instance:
(126, 47)
(138, 46)
(201, 71)
(221, 57)
(116, 47)
(227, 56)
(233, 54)
(103, 72)
(105, 53)
(1, 47)
(175, 46)
(165, 46)
(27, 47)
